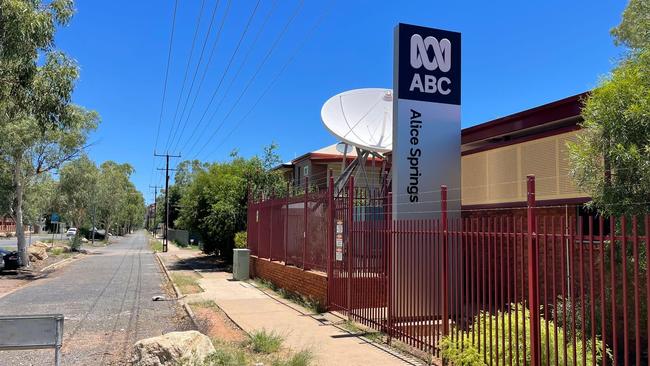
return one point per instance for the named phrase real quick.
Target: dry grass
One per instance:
(156, 245)
(234, 347)
(187, 282)
(262, 341)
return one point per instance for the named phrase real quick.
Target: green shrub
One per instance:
(302, 358)
(84, 232)
(265, 342)
(465, 352)
(226, 355)
(155, 245)
(241, 240)
(56, 251)
(460, 352)
(180, 244)
(75, 243)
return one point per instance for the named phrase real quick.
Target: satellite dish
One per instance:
(362, 118)
(344, 148)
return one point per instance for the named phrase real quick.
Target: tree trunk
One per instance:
(18, 210)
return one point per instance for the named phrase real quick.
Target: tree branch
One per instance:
(58, 163)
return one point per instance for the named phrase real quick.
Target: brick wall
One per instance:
(293, 279)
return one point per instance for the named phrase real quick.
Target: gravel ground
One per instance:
(106, 300)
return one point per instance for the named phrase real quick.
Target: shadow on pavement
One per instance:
(206, 263)
(23, 274)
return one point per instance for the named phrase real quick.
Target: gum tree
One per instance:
(40, 126)
(77, 189)
(113, 192)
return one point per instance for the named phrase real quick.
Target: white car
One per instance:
(71, 232)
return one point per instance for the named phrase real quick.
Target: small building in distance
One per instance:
(316, 165)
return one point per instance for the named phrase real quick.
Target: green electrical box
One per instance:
(240, 263)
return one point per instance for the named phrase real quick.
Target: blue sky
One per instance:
(516, 55)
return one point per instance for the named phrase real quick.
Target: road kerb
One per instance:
(60, 263)
(179, 296)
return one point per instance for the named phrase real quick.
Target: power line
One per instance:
(273, 81)
(205, 42)
(164, 94)
(250, 81)
(239, 69)
(187, 67)
(223, 75)
(207, 66)
(169, 57)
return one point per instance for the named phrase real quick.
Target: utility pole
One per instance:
(155, 205)
(167, 156)
(92, 240)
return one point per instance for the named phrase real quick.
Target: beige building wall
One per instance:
(499, 175)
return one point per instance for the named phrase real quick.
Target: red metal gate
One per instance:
(358, 277)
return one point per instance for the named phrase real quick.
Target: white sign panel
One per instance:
(426, 121)
(339, 241)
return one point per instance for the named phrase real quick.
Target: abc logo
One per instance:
(439, 59)
(420, 55)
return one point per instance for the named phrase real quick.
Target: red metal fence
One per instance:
(6, 228)
(276, 229)
(505, 290)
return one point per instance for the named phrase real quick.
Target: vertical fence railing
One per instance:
(533, 285)
(445, 259)
(389, 226)
(348, 249)
(288, 229)
(330, 232)
(9, 228)
(304, 233)
(533, 273)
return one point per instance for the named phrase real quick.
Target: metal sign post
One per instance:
(23, 332)
(426, 121)
(54, 222)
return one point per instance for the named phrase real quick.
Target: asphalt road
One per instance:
(106, 300)
(12, 242)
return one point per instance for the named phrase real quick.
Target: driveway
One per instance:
(106, 300)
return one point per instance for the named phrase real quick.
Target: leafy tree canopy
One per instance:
(611, 158)
(214, 202)
(634, 30)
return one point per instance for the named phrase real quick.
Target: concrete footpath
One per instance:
(253, 309)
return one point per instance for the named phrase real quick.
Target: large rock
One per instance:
(40, 244)
(37, 253)
(171, 348)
